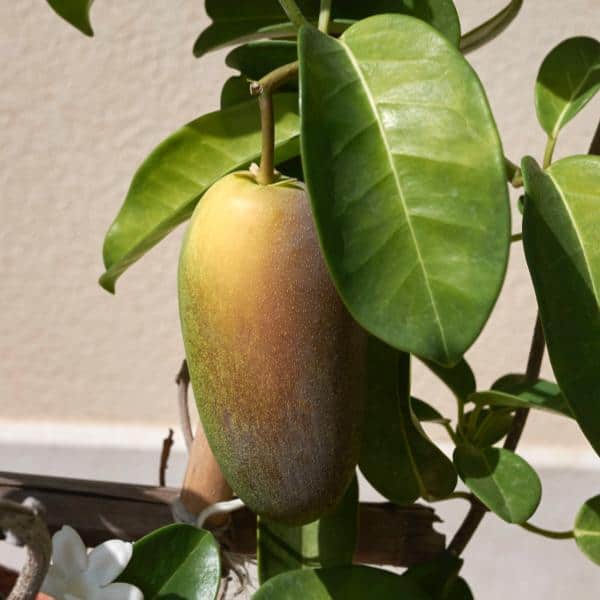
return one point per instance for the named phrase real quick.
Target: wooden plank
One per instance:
(98, 510)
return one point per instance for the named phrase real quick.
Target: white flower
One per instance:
(76, 575)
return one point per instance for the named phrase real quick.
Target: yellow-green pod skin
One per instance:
(276, 362)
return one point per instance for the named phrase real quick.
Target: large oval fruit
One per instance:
(276, 362)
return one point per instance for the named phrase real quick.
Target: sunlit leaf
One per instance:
(407, 179)
(169, 183)
(177, 561)
(503, 481)
(328, 542)
(397, 457)
(339, 583)
(568, 79)
(560, 236)
(587, 529)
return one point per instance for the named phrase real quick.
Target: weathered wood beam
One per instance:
(98, 510)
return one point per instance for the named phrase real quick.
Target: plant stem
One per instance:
(516, 237)
(549, 151)
(293, 12)
(513, 173)
(264, 89)
(266, 173)
(553, 535)
(491, 28)
(324, 15)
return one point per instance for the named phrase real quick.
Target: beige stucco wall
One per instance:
(77, 117)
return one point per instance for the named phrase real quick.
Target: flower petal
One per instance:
(68, 552)
(107, 561)
(54, 583)
(119, 591)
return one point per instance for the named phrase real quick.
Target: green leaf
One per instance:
(425, 413)
(339, 583)
(437, 576)
(459, 378)
(75, 12)
(407, 180)
(562, 248)
(169, 183)
(235, 22)
(235, 90)
(567, 80)
(397, 457)
(503, 481)
(327, 542)
(514, 391)
(587, 529)
(490, 427)
(459, 590)
(177, 561)
(256, 59)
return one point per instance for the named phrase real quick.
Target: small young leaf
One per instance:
(587, 529)
(397, 457)
(407, 181)
(339, 583)
(514, 391)
(567, 80)
(491, 426)
(328, 542)
(177, 561)
(75, 12)
(169, 183)
(503, 481)
(560, 238)
(459, 378)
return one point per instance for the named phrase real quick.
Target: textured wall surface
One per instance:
(78, 115)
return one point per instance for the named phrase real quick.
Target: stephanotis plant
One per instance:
(374, 232)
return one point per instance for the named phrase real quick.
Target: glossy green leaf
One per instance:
(587, 529)
(169, 183)
(75, 12)
(397, 457)
(568, 79)
(407, 180)
(489, 427)
(177, 561)
(562, 247)
(235, 22)
(235, 90)
(339, 583)
(459, 378)
(437, 576)
(514, 391)
(327, 542)
(503, 481)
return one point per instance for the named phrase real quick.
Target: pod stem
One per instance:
(264, 88)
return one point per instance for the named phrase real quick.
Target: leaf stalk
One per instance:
(547, 533)
(293, 13)
(324, 16)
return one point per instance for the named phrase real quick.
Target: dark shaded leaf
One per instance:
(397, 457)
(436, 577)
(407, 179)
(491, 426)
(75, 12)
(459, 378)
(560, 237)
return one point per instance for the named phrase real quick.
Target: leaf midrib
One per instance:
(389, 154)
(578, 234)
(570, 101)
